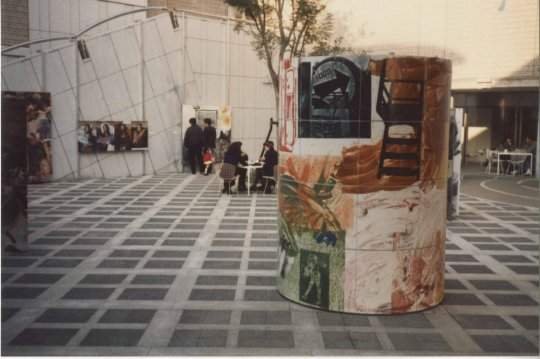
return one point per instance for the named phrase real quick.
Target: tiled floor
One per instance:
(165, 265)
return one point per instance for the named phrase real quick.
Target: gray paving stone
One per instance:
(524, 269)
(529, 322)
(221, 265)
(103, 279)
(89, 293)
(493, 247)
(143, 294)
(118, 263)
(224, 254)
(113, 337)
(131, 316)
(43, 336)
(90, 241)
(179, 242)
(227, 243)
(212, 294)
(21, 292)
(482, 322)
(261, 317)
(210, 338)
(265, 339)
(136, 253)
(261, 281)
(153, 279)
(39, 278)
(461, 299)
(262, 265)
(512, 299)
(18, 262)
(264, 295)
(194, 316)
(453, 284)
(8, 313)
(216, 280)
(139, 242)
(410, 320)
(492, 284)
(163, 264)
(418, 342)
(505, 344)
(74, 253)
(66, 315)
(465, 268)
(50, 241)
(170, 254)
(460, 258)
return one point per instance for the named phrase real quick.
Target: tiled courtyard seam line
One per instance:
(500, 268)
(71, 278)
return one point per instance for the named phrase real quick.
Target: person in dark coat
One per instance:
(269, 159)
(209, 140)
(193, 141)
(236, 157)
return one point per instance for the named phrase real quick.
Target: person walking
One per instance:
(193, 141)
(209, 141)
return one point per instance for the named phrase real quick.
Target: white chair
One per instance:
(492, 160)
(516, 163)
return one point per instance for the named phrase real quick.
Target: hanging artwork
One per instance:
(112, 136)
(224, 132)
(15, 166)
(454, 162)
(362, 211)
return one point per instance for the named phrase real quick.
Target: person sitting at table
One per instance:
(530, 147)
(236, 157)
(269, 160)
(506, 146)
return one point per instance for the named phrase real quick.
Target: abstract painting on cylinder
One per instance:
(362, 183)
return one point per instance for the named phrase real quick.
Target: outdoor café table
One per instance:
(249, 168)
(509, 154)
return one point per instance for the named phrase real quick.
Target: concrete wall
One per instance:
(203, 63)
(493, 43)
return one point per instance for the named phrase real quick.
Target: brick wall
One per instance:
(215, 7)
(15, 27)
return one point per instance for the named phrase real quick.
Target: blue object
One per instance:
(328, 238)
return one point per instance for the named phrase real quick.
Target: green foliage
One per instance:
(284, 29)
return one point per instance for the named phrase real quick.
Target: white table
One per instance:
(249, 168)
(511, 154)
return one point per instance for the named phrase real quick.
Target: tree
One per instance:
(285, 28)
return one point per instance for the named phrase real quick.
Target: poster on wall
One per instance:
(362, 224)
(15, 167)
(223, 131)
(33, 109)
(454, 162)
(112, 136)
(288, 108)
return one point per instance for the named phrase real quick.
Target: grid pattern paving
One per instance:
(165, 265)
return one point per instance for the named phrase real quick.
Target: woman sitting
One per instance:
(236, 157)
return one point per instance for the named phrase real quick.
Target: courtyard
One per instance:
(167, 265)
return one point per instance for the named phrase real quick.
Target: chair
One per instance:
(227, 174)
(268, 179)
(517, 163)
(492, 159)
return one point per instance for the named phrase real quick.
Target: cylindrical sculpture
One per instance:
(362, 182)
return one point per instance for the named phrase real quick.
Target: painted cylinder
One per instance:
(363, 163)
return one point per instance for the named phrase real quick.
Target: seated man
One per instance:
(269, 159)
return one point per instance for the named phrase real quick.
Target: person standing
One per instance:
(193, 141)
(209, 140)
